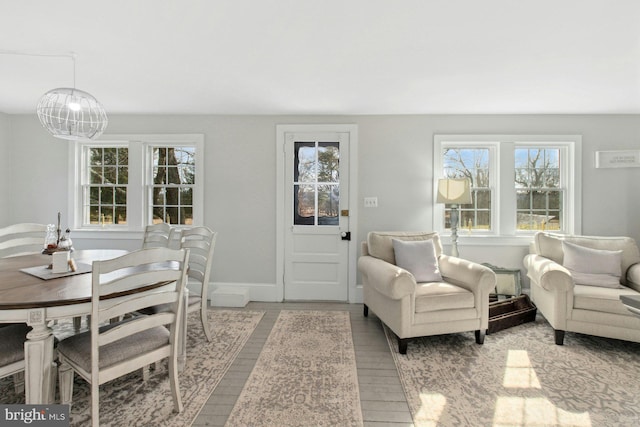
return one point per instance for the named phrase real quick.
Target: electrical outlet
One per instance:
(370, 202)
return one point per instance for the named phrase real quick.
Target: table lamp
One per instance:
(456, 192)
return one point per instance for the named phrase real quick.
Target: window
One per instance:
(539, 189)
(173, 175)
(471, 163)
(126, 182)
(520, 184)
(105, 187)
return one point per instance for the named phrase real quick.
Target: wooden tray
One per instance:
(515, 311)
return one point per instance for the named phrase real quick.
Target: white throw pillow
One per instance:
(593, 267)
(418, 257)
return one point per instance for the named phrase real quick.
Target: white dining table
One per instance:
(36, 302)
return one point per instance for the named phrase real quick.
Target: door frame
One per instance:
(353, 295)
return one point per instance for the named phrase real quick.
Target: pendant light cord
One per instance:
(71, 55)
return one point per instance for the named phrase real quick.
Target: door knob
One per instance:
(346, 235)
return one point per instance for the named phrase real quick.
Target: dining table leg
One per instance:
(40, 370)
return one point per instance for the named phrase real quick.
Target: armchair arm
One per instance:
(467, 274)
(633, 277)
(548, 274)
(388, 279)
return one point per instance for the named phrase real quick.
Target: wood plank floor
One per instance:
(382, 399)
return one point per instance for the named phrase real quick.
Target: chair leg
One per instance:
(145, 373)
(175, 387)
(366, 311)
(95, 405)
(65, 379)
(205, 324)
(18, 382)
(402, 345)
(480, 336)
(559, 335)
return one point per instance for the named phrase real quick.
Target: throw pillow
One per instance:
(418, 257)
(593, 267)
(601, 280)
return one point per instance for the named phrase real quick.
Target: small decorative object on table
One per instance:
(55, 241)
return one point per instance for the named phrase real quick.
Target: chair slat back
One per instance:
(22, 239)
(201, 243)
(156, 235)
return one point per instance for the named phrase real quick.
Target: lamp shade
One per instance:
(454, 190)
(71, 114)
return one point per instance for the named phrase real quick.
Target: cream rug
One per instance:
(519, 377)
(128, 401)
(305, 375)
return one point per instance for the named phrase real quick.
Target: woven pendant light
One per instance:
(70, 113)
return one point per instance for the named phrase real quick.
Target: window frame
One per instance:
(139, 209)
(502, 183)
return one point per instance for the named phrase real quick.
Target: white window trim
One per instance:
(138, 214)
(503, 194)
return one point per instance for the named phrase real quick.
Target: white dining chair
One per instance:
(110, 350)
(22, 239)
(201, 242)
(15, 240)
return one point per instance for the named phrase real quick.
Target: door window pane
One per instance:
(316, 196)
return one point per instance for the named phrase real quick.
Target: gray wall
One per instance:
(5, 163)
(395, 164)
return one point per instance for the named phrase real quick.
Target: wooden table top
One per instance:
(19, 290)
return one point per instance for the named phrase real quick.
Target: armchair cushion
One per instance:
(418, 258)
(442, 296)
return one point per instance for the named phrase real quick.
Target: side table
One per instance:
(632, 302)
(508, 281)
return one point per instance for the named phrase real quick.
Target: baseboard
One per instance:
(267, 292)
(264, 292)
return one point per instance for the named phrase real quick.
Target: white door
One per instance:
(316, 216)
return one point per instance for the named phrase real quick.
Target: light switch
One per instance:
(370, 202)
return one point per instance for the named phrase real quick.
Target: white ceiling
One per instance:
(326, 56)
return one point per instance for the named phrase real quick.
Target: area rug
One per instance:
(519, 377)
(129, 401)
(305, 375)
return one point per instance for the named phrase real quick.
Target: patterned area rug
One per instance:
(519, 377)
(129, 401)
(305, 375)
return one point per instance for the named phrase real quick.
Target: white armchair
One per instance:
(457, 302)
(581, 295)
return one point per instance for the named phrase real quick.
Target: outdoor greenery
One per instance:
(316, 177)
(537, 185)
(173, 176)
